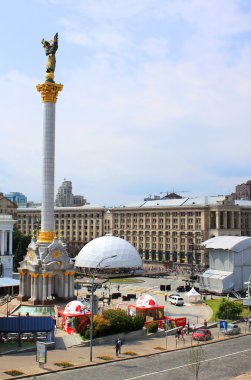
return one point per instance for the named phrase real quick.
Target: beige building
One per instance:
(162, 230)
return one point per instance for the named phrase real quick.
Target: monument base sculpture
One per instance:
(46, 274)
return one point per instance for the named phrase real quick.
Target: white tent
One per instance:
(193, 295)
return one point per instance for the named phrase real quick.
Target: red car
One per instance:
(202, 334)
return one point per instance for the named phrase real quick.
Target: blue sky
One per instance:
(156, 96)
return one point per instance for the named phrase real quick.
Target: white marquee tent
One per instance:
(193, 295)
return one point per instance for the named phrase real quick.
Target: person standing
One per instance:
(118, 347)
(178, 333)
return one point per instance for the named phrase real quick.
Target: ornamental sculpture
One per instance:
(50, 50)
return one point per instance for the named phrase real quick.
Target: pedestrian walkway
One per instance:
(80, 356)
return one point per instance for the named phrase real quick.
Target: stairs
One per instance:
(64, 340)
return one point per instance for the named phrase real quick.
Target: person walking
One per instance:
(178, 333)
(117, 346)
(183, 335)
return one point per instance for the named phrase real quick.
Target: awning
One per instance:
(7, 281)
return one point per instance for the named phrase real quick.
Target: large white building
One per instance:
(229, 264)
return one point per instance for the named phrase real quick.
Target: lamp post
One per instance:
(8, 299)
(92, 294)
(248, 284)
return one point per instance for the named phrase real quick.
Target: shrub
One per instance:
(14, 372)
(121, 322)
(102, 326)
(87, 334)
(64, 364)
(118, 320)
(81, 325)
(152, 327)
(229, 310)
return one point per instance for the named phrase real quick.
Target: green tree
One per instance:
(20, 245)
(229, 309)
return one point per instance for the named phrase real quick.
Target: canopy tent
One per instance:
(193, 295)
(147, 306)
(72, 310)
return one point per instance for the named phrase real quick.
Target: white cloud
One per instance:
(156, 96)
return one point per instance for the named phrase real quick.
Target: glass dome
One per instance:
(98, 254)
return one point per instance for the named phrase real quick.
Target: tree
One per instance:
(229, 309)
(20, 245)
(196, 356)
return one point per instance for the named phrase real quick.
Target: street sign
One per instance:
(223, 325)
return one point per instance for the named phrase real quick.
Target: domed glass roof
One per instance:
(97, 254)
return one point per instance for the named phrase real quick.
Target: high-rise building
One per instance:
(65, 197)
(17, 197)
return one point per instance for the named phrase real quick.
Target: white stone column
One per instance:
(66, 285)
(10, 242)
(44, 295)
(2, 242)
(48, 167)
(49, 285)
(32, 287)
(35, 286)
(21, 286)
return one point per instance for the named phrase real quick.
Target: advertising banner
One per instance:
(41, 353)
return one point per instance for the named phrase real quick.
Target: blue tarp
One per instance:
(26, 324)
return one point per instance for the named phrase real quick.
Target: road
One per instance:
(223, 360)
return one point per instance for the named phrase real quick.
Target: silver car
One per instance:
(232, 329)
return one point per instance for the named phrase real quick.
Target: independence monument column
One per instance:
(49, 92)
(47, 271)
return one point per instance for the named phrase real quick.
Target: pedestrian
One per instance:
(188, 327)
(117, 346)
(178, 333)
(120, 344)
(118, 288)
(193, 327)
(165, 297)
(182, 335)
(205, 323)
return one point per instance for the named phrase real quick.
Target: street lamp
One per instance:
(8, 299)
(92, 294)
(248, 284)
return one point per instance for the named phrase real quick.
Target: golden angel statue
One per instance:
(50, 49)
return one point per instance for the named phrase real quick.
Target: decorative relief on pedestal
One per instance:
(49, 91)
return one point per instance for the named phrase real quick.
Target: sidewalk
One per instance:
(79, 356)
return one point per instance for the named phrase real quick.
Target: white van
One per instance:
(177, 300)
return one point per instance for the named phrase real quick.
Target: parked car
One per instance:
(232, 329)
(174, 294)
(202, 334)
(181, 288)
(177, 300)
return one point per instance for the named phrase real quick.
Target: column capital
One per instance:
(35, 275)
(49, 91)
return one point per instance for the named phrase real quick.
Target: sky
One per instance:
(156, 98)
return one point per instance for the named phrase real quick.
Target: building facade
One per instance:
(7, 215)
(243, 191)
(166, 230)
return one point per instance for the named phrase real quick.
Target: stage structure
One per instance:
(47, 272)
